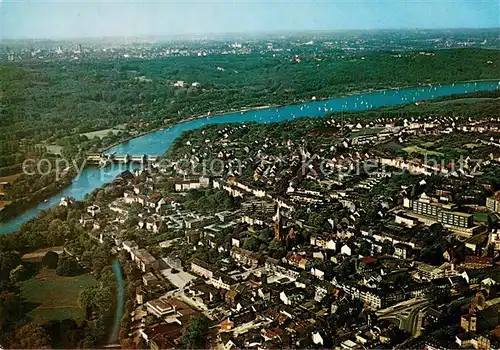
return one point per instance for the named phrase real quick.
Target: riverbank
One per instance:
(16, 207)
(294, 103)
(158, 142)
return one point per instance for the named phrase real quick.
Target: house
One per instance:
(236, 241)
(139, 295)
(297, 261)
(125, 175)
(201, 268)
(67, 201)
(292, 296)
(160, 307)
(274, 266)
(402, 251)
(93, 210)
(198, 222)
(149, 279)
(226, 216)
(221, 281)
(405, 220)
(231, 297)
(493, 203)
(476, 262)
(246, 257)
(154, 200)
(162, 335)
(367, 264)
(129, 246)
(129, 197)
(430, 272)
(186, 185)
(346, 250)
(173, 261)
(226, 325)
(323, 242)
(86, 220)
(144, 260)
(317, 273)
(204, 294)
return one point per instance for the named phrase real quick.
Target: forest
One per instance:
(55, 103)
(47, 102)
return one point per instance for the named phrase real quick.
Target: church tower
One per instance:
(277, 224)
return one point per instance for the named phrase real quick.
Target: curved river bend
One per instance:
(158, 142)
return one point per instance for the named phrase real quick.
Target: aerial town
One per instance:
(345, 45)
(250, 175)
(276, 252)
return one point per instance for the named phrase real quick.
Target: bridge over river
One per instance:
(104, 159)
(158, 142)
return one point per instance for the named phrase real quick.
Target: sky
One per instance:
(126, 18)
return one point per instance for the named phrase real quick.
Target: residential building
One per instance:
(221, 281)
(453, 218)
(129, 246)
(246, 257)
(202, 268)
(144, 260)
(493, 203)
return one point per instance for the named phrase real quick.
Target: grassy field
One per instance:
(54, 149)
(101, 133)
(55, 297)
(10, 179)
(3, 203)
(427, 144)
(391, 145)
(40, 253)
(471, 145)
(365, 131)
(416, 149)
(465, 100)
(481, 216)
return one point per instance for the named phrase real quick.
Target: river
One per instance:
(114, 336)
(159, 141)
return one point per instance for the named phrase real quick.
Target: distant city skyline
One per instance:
(93, 19)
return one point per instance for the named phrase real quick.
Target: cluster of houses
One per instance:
(285, 270)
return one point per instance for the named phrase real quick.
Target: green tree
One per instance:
(251, 243)
(277, 249)
(438, 295)
(32, 336)
(365, 248)
(68, 266)
(18, 274)
(10, 310)
(8, 261)
(50, 260)
(194, 336)
(387, 247)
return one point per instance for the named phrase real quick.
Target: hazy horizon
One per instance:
(139, 19)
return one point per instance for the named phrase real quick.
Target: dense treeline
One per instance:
(53, 227)
(52, 100)
(55, 103)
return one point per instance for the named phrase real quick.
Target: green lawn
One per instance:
(391, 145)
(55, 297)
(465, 100)
(365, 131)
(481, 217)
(100, 133)
(423, 151)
